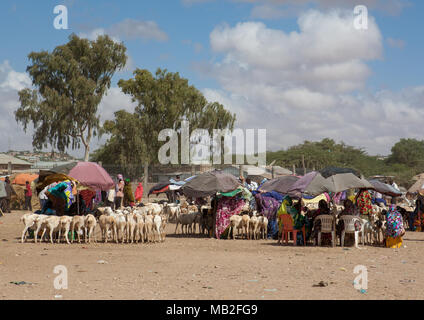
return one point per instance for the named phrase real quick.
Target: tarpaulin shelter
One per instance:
(280, 184)
(312, 184)
(159, 188)
(330, 171)
(209, 183)
(385, 188)
(344, 181)
(22, 178)
(89, 174)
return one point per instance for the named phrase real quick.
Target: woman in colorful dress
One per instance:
(394, 228)
(364, 203)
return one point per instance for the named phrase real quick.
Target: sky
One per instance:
(299, 69)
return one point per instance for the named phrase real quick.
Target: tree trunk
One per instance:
(87, 153)
(146, 174)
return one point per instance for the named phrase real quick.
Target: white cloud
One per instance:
(311, 84)
(129, 29)
(10, 83)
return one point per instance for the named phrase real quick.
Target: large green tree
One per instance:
(69, 84)
(162, 100)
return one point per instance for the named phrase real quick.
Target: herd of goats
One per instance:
(147, 224)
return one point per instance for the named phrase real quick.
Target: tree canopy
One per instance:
(69, 84)
(162, 100)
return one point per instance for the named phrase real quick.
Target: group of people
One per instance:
(122, 194)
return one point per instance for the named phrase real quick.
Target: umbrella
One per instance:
(89, 174)
(417, 186)
(280, 184)
(385, 188)
(312, 184)
(159, 188)
(344, 181)
(330, 171)
(209, 183)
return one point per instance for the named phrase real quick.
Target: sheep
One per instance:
(163, 225)
(28, 220)
(197, 220)
(148, 227)
(121, 225)
(90, 227)
(107, 223)
(253, 226)
(52, 225)
(64, 225)
(235, 222)
(207, 221)
(155, 208)
(139, 228)
(78, 226)
(157, 221)
(131, 227)
(185, 220)
(192, 208)
(245, 224)
(172, 210)
(263, 227)
(39, 225)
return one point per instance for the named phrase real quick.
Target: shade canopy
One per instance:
(89, 174)
(345, 181)
(385, 188)
(330, 171)
(280, 184)
(312, 184)
(209, 183)
(159, 188)
(417, 186)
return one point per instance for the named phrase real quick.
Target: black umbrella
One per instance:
(331, 171)
(280, 184)
(385, 188)
(209, 183)
(159, 188)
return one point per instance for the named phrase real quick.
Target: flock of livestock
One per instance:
(138, 224)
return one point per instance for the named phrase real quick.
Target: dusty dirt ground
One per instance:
(201, 268)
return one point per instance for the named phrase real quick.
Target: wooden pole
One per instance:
(9, 168)
(303, 164)
(294, 169)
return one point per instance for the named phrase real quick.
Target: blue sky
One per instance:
(390, 80)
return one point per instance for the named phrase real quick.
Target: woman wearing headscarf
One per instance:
(295, 211)
(314, 224)
(128, 194)
(394, 228)
(119, 193)
(138, 193)
(364, 203)
(349, 210)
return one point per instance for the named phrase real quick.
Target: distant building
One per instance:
(16, 164)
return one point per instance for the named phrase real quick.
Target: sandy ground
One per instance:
(201, 268)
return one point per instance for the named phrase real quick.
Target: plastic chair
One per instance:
(349, 227)
(287, 222)
(327, 226)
